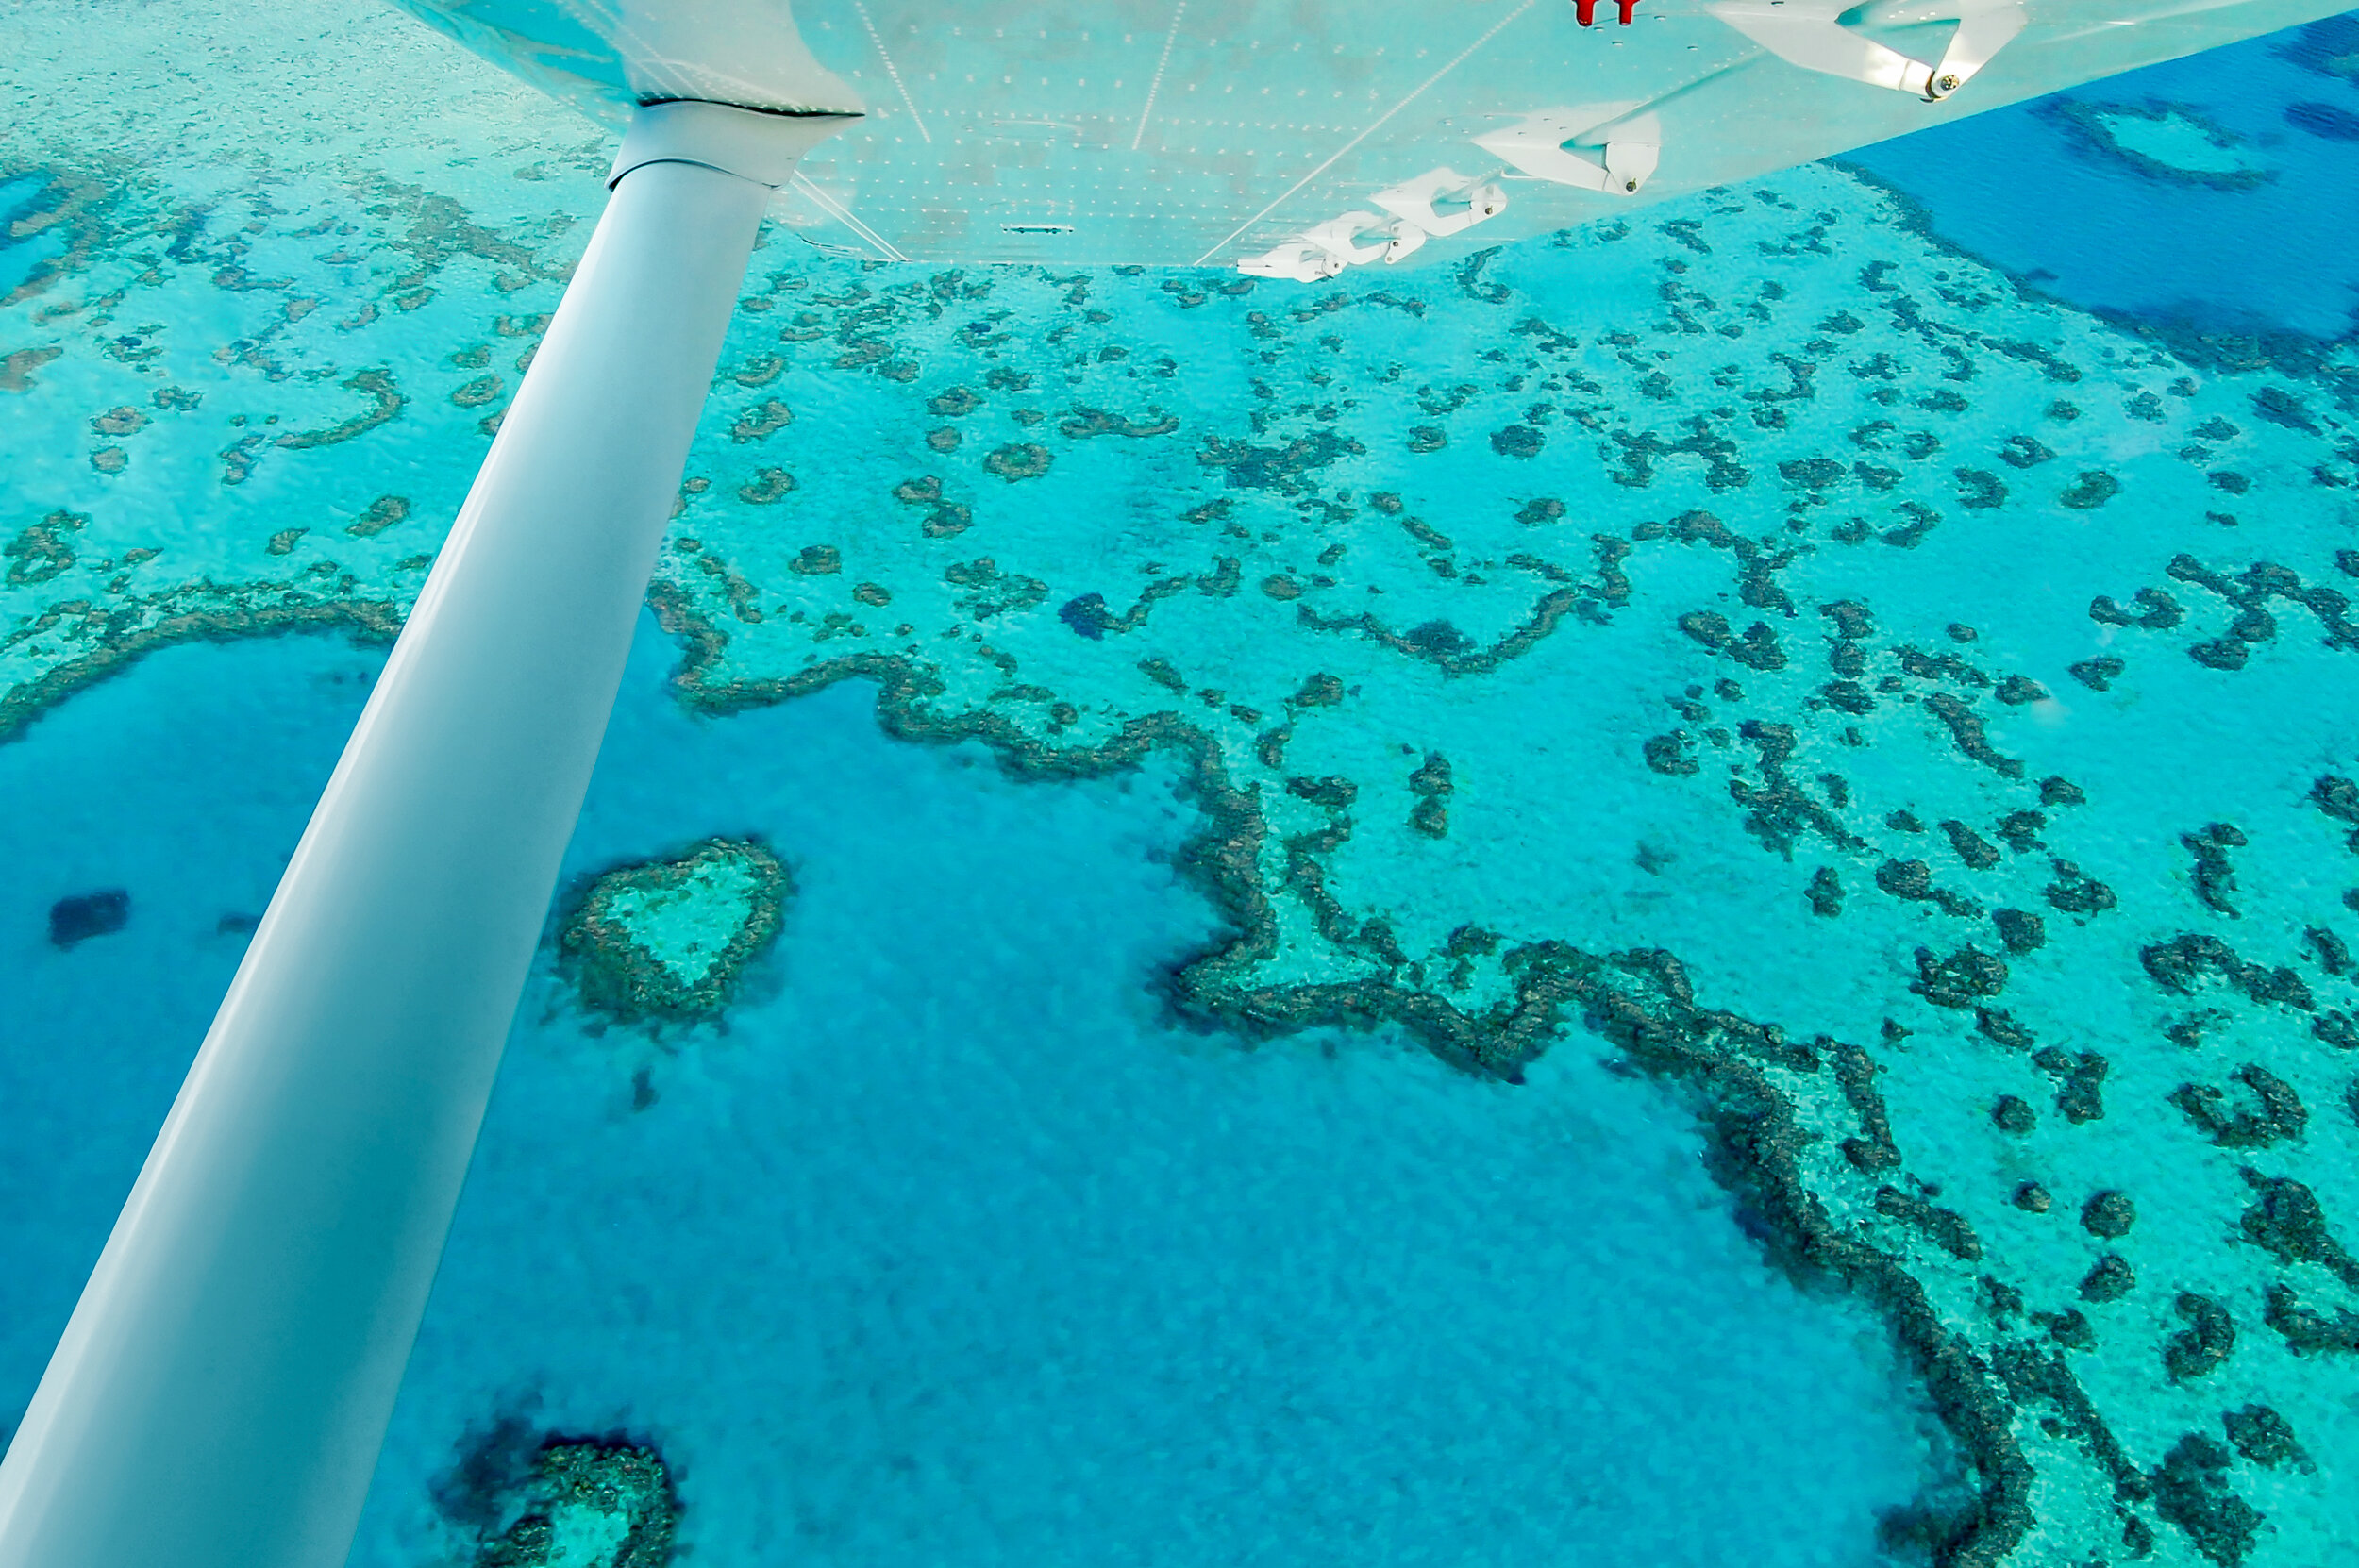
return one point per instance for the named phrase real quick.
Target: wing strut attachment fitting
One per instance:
(1608, 147)
(1585, 11)
(1812, 35)
(1344, 238)
(1437, 203)
(1296, 261)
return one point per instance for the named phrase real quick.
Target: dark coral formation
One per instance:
(1946, 1228)
(2020, 931)
(2191, 1491)
(2179, 964)
(2276, 1115)
(1855, 1072)
(2090, 126)
(2263, 1436)
(615, 970)
(2110, 1278)
(2198, 1350)
(2287, 1221)
(624, 1485)
(2075, 892)
(205, 612)
(75, 919)
(2080, 1089)
(1960, 979)
(1432, 786)
(2109, 1214)
(2215, 878)
(2309, 1330)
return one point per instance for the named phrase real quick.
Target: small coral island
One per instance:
(590, 1505)
(669, 941)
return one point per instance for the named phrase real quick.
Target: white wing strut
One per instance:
(221, 1390)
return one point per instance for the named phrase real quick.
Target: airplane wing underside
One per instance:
(1296, 138)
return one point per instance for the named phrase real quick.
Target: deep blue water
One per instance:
(989, 1260)
(2018, 189)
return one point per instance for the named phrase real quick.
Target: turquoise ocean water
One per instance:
(955, 1246)
(1960, 534)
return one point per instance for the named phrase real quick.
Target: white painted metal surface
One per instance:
(220, 1393)
(1205, 133)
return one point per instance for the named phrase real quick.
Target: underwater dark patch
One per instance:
(2323, 119)
(76, 920)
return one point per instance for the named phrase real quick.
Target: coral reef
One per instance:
(589, 1503)
(669, 941)
(2003, 847)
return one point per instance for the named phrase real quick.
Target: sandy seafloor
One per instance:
(957, 1244)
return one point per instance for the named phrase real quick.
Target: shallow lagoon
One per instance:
(955, 1243)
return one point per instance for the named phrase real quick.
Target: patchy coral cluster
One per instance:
(589, 1503)
(669, 941)
(1402, 690)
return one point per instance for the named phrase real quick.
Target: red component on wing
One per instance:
(1586, 10)
(1629, 9)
